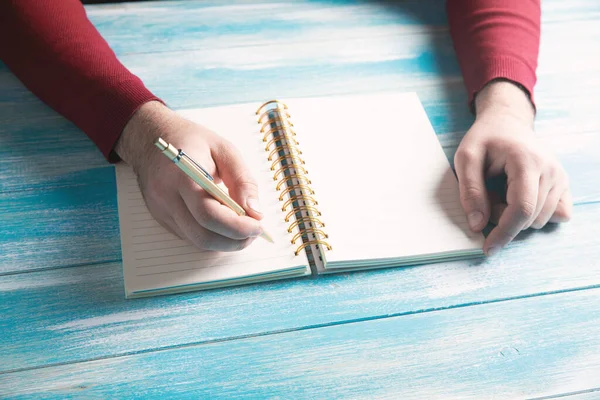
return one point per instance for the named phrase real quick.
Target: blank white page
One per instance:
(384, 185)
(155, 259)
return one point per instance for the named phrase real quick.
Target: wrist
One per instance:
(504, 98)
(140, 132)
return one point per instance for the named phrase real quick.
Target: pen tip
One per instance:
(267, 237)
(161, 144)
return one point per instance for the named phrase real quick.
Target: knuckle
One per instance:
(523, 159)
(526, 209)
(227, 149)
(466, 155)
(552, 171)
(561, 178)
(537, 160)
(471, 193)
(534, 161)
(247, 183)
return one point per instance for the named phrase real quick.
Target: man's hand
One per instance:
(176, 201)
(501, 140)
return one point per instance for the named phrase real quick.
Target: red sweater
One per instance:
(59, 55)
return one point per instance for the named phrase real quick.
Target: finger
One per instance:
(496, 213)
(237, 177)
(215, 217)
(203, 238)
(521, 201)
(170, 225)
(544, 188)
(470, 167)
(564, 209)
(550, 204)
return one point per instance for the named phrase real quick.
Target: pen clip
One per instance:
(205, 172)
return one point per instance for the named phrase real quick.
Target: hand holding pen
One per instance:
(178, 202)
(199, 175)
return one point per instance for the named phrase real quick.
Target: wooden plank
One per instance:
(161, 26)
(70, 314)
(36, 156)
(513, 349)
(59, 227)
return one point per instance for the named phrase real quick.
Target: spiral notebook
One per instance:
(346, 183)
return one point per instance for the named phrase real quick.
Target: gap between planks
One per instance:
(306, 328)
(587, 394)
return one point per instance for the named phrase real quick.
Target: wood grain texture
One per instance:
(80, 313)
(521, 325)
(510, 350)
(59, 227)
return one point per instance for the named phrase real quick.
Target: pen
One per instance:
(202, 178)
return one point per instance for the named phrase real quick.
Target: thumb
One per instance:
(470, 167)
(237, 177)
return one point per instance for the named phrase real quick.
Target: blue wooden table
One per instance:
(525, 324)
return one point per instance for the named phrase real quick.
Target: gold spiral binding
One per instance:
(287, 167)
(271, 102)
(297, 186)
(291, 149)
(300, 209)
(311, 242)
(301, 220)
(276, 129)
(288, 157)
(275, 139)
(302, 197)
(268, 122)
(274, 120)
(313, 231)
(267, 113)
(299, 178)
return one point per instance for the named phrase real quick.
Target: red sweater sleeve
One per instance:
(56, 52)
(496, 39)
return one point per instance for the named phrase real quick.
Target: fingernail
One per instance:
(492, 251)
(475, 219)
(254, 204)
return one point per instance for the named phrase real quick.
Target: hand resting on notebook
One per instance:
(501, 140)
(177, 202)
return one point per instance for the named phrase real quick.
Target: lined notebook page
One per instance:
(154, 259)
(384, 185)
